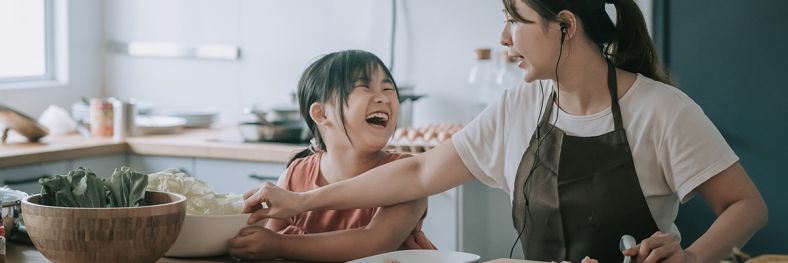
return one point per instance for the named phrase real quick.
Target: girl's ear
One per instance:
(317, 111)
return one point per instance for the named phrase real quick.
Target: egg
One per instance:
(400, 133)
(413, 134)
(443, 136)
(429, 135)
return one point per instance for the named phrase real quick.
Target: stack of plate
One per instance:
(147, 125)
(196, 118)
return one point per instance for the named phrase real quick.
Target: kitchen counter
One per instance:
(22, 253)
(217, 143)
(28, 254)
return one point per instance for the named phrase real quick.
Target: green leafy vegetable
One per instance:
(82, 188)
(126, 188)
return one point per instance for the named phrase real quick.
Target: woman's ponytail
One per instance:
(627, 43)
(632, 48)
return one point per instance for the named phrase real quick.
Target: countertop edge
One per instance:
(191, 144)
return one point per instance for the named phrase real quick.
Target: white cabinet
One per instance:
(236, 176)
(102, 166)
(441, 222)
(25, 177)
(153, 163)
(486, 227)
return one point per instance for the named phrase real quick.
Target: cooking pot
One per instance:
(282, 114)
(289, 132)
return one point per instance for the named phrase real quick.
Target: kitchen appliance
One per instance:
(276, 124)
(21, 123)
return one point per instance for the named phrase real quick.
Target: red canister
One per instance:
(100, 117)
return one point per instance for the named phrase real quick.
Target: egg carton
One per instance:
(407, 145)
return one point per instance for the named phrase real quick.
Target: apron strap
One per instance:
(548, 110)
(612, 86)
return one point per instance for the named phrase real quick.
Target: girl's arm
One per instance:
(740, 211)
(386, 232)
(403, 180)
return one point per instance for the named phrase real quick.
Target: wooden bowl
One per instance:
(132, 234)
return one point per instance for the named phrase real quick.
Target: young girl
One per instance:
(350, 104)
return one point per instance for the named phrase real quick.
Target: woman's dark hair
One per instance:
(627, 43)
(332, 78)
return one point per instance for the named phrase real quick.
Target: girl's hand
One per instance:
(280, 203)
(254, 243)
(660, 247)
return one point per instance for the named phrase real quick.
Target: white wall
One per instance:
(280, 38)
(85, 60)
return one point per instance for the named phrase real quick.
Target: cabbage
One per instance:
(200, 196)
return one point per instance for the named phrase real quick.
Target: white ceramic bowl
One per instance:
(207, 235)
(420, 255)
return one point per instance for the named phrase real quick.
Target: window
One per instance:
(26, 41)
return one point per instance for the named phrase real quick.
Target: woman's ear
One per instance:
(570, 20)
(317, 111)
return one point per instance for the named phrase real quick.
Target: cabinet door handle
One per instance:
(264, 177)
(25, 181)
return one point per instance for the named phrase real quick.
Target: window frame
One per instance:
(50, 60)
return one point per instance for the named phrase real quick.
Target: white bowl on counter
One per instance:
(419, 256)
(207, 235)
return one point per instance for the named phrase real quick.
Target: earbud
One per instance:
(564, 30)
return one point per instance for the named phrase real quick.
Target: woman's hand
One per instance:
(279, 203)
(660, 247)
(255, 243)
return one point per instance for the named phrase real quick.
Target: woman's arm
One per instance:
(386, 232)
(740, 211)
(403, 180)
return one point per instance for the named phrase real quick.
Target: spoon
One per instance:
(627, 242)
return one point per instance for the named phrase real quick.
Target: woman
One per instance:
(612, 151)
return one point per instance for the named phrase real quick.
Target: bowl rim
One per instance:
(181, 199)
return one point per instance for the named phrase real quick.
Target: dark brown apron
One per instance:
(582, 195)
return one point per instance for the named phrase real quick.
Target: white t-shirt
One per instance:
(674, 145)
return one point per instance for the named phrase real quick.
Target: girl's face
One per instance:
(535, 41)
(371, 113)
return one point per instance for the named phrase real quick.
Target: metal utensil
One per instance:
(626, 242)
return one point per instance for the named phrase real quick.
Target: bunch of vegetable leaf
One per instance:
(82, 188)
